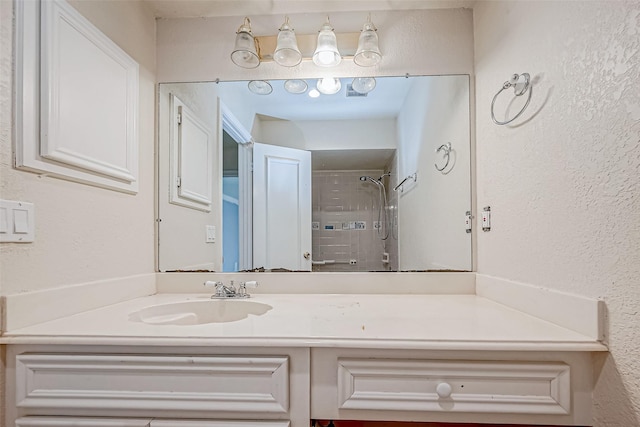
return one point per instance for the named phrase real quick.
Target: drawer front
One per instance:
(454, 386)
(148, 383)
(121, 422)
(215, 423)
(80, 422)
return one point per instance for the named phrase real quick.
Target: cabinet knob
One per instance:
(443, 390)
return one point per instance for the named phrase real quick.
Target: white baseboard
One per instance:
(580, 314)
(29, 308)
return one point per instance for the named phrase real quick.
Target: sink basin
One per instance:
(199, 312)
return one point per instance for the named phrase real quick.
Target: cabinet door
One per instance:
(226, 423)
(80, 422)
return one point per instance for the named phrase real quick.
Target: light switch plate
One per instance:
(17, 222)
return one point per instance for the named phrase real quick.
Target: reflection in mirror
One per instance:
(351, 181)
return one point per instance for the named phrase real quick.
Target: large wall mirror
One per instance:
(359, 175)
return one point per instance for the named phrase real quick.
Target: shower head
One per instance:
(375, 181)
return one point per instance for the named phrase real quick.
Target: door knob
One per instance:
(306, 255)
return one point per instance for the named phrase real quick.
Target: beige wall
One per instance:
(83, 233)
(330, 134)
(182, 229)
(431, 211)
(415, 42)
(563, 183)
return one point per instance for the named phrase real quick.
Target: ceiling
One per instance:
(212, 8)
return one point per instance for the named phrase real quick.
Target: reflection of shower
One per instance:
(383, 229)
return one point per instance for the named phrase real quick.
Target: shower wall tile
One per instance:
(340, 200)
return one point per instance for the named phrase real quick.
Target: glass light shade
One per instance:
(260, 87)
(295, 86)
(329, 85)
(244, 52)
(313, 93)
(368, 53)
(287, 53)
(326, 54)
(363, 84)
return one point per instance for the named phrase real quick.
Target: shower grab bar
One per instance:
(413, 176)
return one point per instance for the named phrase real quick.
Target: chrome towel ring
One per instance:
(521, 84)
(446, 148)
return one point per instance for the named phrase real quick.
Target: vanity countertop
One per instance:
(430, 322)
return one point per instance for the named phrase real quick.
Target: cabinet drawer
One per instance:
(151, 383)
(80, 422)
(454, 386)
(121, 422)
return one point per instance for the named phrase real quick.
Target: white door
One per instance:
(281, 208)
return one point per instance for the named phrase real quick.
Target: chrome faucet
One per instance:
(223, 292)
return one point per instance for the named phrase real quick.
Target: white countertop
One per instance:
(436, 322)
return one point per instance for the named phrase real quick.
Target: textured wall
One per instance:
(415, 42)
(83, 233)
(563, 182)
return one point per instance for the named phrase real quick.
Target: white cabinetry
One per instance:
(81, 422)
(138, 422)
(455, 386)
(178, 386)
(114, 386)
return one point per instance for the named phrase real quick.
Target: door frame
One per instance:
(242, 136)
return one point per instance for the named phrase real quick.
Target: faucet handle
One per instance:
(211, 284)
(242, 290)
(249, 284)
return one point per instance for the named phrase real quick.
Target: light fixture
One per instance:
(329, 85)
(363, 84)
(326, 54)
(368, 53)
(260, 87)
(289, 49)
(287, 53)
(244, 53)
(295, 86)
(313, 93)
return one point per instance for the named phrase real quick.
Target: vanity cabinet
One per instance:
(211, 386)
(458, 386)
(175, 386)
(139, 422)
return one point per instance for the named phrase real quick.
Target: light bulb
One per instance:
(327, 54)
(329, 85)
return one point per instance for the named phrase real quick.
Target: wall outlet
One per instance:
(210, 233)
(486, 219)
(353, 261)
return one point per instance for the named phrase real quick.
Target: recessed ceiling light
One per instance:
(313, 93)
